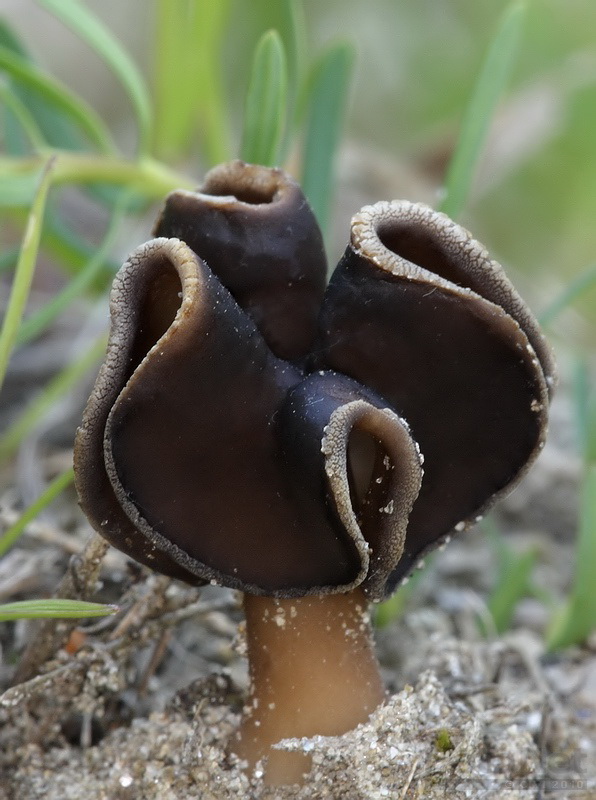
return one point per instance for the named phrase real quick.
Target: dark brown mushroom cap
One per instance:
(255, 230)
(417, 311)
(203, 455)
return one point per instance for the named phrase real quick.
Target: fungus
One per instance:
(227, 440)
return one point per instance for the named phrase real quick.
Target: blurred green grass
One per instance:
(417, 60)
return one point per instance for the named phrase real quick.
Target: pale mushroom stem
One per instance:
(313, 670)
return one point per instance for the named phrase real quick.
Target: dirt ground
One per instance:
(141, 705)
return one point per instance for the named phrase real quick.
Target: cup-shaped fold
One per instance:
(254, 228)
(342, 443)
(418, 312)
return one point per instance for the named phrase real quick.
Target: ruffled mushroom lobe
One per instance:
(418, 311)
(342, 444)
(254, 228)
(143, 304)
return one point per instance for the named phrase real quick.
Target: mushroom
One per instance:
(227, 440)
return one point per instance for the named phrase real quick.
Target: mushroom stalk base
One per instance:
(313, 671)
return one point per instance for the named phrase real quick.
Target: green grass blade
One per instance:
(190, 99)
(9, 38)
(23, 72)
(584, 593)
(60, 609)
(393, 608)
(85, 279)
(93, 31)
(578, 286)
(57, 128)
(585, 412)
(492, 78)
(287, 18)
(173, 84)
(590, 443)
(23, 116)
(578, 617)
(208, 34)
(47, 397)
(265, 110)
(24, 271)
(292, 28)
(54, 489)
(71, 252)
(513, 581)
(513, 584)
(581, 397)
(151, 179)
(327, 100)
(18, 190)
(12, 133)
(293, 31)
